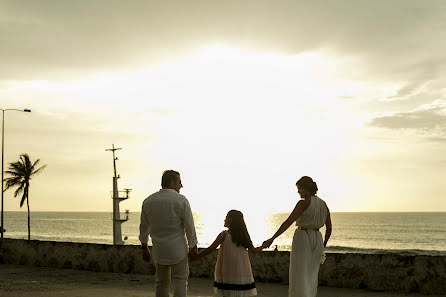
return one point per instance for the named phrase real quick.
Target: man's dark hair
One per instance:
(169, 176)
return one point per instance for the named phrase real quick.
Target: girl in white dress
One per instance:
(310, 214)
(233, 273)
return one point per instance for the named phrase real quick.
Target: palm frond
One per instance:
(39, 170)
(26, 161)
(35, 163)
(19, 190)
(13, 173)
(22, 162)
(11, 179)
(17, 167)
(12, 182)
(24, 157)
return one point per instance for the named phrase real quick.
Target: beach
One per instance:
(24, 281)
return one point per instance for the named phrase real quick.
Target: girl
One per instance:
(233, 273)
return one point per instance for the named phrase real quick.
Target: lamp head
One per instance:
(27, 110)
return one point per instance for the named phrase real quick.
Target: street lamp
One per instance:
(3, 153)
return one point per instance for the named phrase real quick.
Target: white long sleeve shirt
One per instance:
(167, 217)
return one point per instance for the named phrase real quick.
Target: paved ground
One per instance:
(24, 281)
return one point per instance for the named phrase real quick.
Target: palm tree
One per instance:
(21, 173)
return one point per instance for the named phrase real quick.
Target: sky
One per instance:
(241, 97)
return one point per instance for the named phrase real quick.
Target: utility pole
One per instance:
(2, 226)
(117, 220)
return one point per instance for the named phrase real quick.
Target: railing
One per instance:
(122, 216)
(126, 196)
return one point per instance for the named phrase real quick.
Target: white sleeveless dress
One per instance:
(307, 249)
(233, 273)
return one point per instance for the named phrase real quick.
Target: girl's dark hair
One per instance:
(238, 230)
(308, 184)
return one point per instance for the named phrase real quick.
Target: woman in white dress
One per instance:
(310, 214)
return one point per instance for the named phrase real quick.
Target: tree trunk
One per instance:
(29, 226)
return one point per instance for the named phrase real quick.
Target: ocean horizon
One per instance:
(419, 233)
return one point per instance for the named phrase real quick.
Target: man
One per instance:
(167, 217)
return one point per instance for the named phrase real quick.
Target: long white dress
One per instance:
(307, 249)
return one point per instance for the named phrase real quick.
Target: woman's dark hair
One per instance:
(169, 176)
(308, 184)
(238, 230)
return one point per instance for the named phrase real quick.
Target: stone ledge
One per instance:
(385, 272)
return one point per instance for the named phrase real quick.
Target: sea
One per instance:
(414, 233)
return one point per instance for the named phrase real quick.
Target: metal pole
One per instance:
(114, 161)
(3, 153)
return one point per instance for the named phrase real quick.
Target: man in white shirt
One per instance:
(167, 217)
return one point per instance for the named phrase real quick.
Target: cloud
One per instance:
(420, 75)
(430, 119)
(398, 42)
(406, 90)
(59, 38)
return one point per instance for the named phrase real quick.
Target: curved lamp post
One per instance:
(3, 153)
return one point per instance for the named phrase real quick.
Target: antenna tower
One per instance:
(117, 220)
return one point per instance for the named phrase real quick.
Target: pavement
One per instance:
(26, 281)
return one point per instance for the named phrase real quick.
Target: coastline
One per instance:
(406, 252)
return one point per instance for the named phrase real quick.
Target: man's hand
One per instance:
(146, 254)
(193, 252)
(193, 258)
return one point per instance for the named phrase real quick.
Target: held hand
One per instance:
(193, 258)
(193, 252)
(267, 243)
(146, 255)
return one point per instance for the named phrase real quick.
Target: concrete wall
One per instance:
(425, 274)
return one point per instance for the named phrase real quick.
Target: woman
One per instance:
(310, 214)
